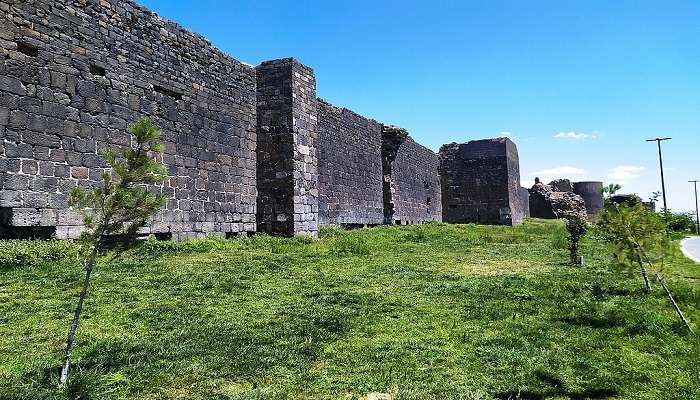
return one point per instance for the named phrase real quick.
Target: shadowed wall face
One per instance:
(416, 195)
(480, 182)
(68, 89)
(350, 169)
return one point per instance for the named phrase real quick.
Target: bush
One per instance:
(634, 232)
(576, 228)
(32, 253)
(681, 222)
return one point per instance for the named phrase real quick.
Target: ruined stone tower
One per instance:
(591, 192)
(481, 182)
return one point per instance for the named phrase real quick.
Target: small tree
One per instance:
(610, 190)
(576, 228)
(118, 208)
(634, 231)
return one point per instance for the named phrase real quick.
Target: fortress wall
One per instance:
(287, 163)
(350, 170)
(73, 74)
(417, 196)
(247, 148)
(480, 182)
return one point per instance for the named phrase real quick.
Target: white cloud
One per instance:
(574, 135)
(509, 135)
(562, 171)
(625, 172)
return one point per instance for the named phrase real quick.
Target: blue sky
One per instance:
(579, 84)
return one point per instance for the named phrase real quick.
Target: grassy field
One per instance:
(419, 312)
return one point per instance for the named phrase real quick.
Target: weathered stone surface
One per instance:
(287, 159)
(246, 148)
(546, 202)
(411, 183)
(64, 103)
(481, 182)
(524, 201)
(561, 185)
(350, 167)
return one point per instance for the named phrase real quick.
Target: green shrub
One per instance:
(576, 228)
(681, 222)
(633, 232)
(33, 253)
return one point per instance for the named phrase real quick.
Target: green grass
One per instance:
(421, 312)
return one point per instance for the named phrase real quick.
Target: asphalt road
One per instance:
(691, 248)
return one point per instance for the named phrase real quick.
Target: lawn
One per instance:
(419, 312)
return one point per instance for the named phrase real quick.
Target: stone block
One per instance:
(10, 198)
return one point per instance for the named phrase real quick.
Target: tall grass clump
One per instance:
(16, 254)
(350, 245)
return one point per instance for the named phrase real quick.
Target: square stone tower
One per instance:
(287, 160)
(480, 182)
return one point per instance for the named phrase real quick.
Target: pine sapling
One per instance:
(118, 208)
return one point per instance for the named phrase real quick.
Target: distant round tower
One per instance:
(590, 191)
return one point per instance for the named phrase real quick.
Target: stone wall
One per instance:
(287, 160)
(480, 182)
(247, 148)
(73, 74)
(414, 184)
(350, 168)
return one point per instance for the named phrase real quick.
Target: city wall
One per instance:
(247, 148)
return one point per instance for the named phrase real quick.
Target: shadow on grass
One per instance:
(557, 388)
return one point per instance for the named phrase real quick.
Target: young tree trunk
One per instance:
(647, 286)
(673, 302)
(70, 342)
(573, 255)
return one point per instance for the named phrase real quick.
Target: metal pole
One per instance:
(697, 214)
(663, 182)
(661, 167)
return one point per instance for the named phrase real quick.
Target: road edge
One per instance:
(686, 252)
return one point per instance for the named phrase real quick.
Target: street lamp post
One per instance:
(697, 214)
(661, 167)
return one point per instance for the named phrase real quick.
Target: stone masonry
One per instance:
(248, 149)
(73, 74)
(411, 184)
(287, 165)
(481, 182)
(555, 200)
(350, 167)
